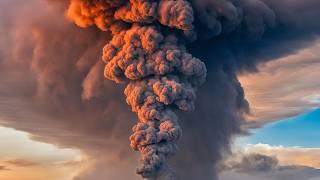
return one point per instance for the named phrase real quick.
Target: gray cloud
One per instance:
(254, 163)
(49, 87)
(43, 79)
(262, 167)
(297, 173)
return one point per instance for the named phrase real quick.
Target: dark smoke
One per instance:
(51, 71)
(161, 75)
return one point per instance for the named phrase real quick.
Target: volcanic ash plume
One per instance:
(161, 75)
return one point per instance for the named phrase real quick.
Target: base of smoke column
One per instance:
(166, 173)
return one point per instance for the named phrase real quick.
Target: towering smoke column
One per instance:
(52, 74)
(148, 51)
(162, 76)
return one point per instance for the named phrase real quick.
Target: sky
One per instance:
(285, 114)
(20, 156)
(49, 133)
(289, 132)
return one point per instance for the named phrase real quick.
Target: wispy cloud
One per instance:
(4, 168)
(20, 162)
(294, 173)
(285, 87)
(265, 162)
(30, 159)
(288, 156)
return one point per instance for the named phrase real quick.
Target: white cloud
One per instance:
(288, 156)
(285, 87)
(297, 173)
(266, 162)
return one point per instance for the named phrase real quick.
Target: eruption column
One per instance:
(161, 77)
(147, 52)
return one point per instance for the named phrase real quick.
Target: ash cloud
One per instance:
(214, 37)
(160, 75)
(50, 90)
(50, 72)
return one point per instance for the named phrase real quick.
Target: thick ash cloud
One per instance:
(46, 85)
(52, 88)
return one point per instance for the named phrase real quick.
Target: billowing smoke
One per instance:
(161, 75)
(148, 51)
(52, 82)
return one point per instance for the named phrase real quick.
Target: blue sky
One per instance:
(302, 131)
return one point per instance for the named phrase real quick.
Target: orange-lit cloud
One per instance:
(47, 65)
(21, 157)
(42, 56)
(3, 168)
(20, 162)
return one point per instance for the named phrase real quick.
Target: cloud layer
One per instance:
(288, 87)
(262, 162)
